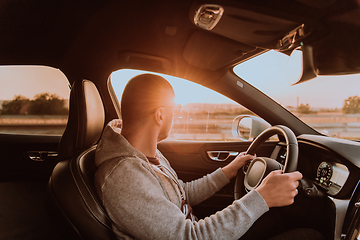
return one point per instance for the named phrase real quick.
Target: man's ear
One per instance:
(159, 115)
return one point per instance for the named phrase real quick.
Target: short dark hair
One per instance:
(143, 94)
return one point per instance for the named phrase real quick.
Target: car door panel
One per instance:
(27, 157)
(192, 161)
(26, 163)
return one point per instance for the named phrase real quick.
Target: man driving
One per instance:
(142, 193)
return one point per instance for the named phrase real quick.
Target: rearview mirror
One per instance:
(301, 66)
(247, 127)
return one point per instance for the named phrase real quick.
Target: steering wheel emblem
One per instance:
(259, 168)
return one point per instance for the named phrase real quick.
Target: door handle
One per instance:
(221, 156)
(40, 156)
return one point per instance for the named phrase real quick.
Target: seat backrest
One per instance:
(86, 120)
(74, 204)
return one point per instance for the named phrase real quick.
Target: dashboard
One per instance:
(333, 166)
(325, 163)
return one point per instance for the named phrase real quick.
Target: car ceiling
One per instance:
(90, 39)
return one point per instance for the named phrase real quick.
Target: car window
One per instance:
(33, 100)
(205, 114)
(329, 104)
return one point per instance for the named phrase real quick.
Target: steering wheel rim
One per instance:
(291, 158)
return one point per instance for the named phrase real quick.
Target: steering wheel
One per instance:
(260, 167)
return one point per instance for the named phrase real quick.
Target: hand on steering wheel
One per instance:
(279, 189)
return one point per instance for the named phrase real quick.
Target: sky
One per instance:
(272, 79)
(31, 80)
(266, 72)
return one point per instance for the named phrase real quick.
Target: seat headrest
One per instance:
(86, 119)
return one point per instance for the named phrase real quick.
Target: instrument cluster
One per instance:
(331, 176)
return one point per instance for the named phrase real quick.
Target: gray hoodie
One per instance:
(142, 205)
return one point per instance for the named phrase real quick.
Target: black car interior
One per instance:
(91, 39)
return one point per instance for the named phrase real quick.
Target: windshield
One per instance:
(329, 104)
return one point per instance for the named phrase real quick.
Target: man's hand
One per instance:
(232, 168)
(279, 189)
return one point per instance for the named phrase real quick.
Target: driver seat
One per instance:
(74, 204)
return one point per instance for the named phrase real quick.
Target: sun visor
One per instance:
(211, 52)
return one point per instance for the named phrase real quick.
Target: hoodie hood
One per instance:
(113, 144)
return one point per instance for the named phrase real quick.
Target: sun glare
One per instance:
(185, 91)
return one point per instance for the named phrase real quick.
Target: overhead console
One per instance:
(227, 33)
(249, 27)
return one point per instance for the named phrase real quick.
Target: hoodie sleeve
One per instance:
(135, 201)
(201, 189)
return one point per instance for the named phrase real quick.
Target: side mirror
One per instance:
(247, 127)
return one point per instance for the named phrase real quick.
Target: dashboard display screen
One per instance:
(332, 176)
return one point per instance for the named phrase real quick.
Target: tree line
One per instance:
(351, 106)
(51, 104)
(42, 104)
